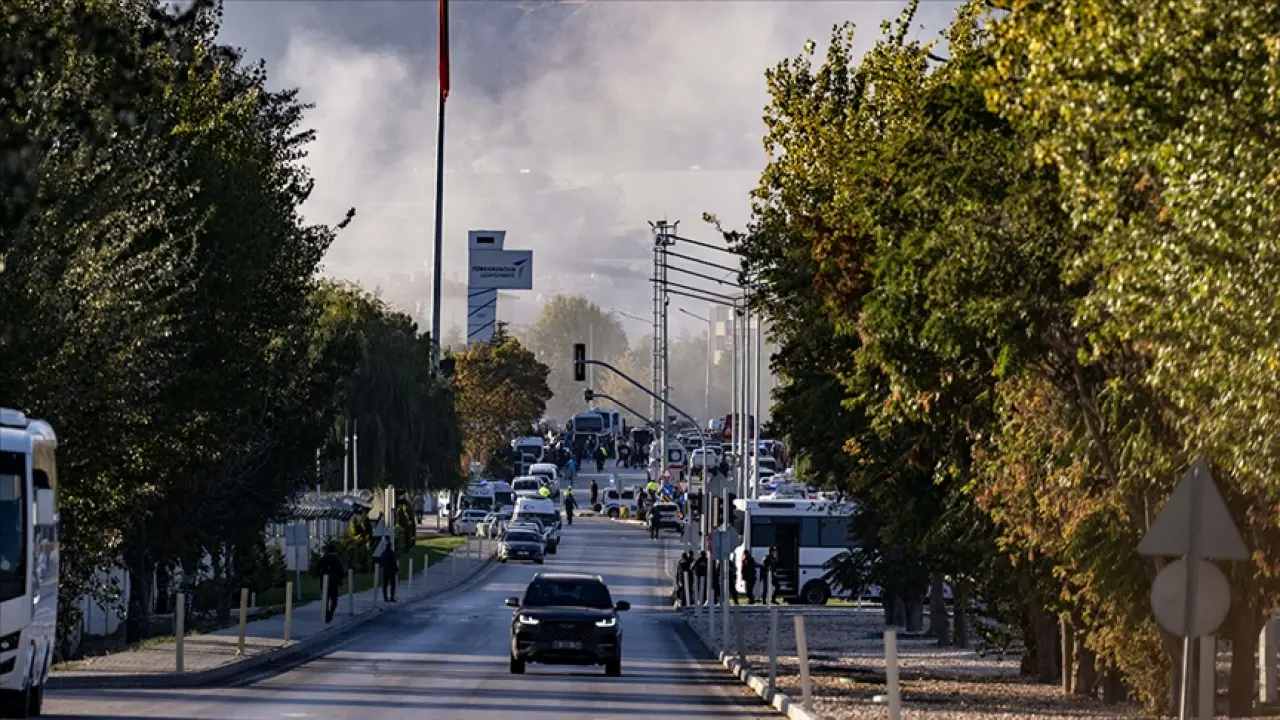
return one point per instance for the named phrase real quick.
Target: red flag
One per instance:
(444, 49)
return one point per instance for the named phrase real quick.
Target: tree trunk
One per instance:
(960, 638)
(1045, 627)
(1244, 631)
(1086, 669)
(915, 613)
(899, 611)
(939, 623)
(141, 575)
(1068, 655)
(223, 577)
(1113, 688)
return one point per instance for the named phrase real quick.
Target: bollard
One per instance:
(253, 600)
(724, 608)
(890, 675)
(244, 611)
(773, 648)
(288, 611)
(179, 630)
(324, 598)
(377, 583)
(737, 630)
(802, 654)
(1208, 675)
(709, 595)
(409, 587)
(1267, 660)
(453, 569)
(351, 591)
(688, 600)
(426, 563)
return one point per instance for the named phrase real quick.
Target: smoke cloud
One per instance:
(569, 124)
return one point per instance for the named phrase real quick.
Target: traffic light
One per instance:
(588, 394)
(579, 362)
(695, 503)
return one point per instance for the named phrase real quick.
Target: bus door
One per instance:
(787, 540)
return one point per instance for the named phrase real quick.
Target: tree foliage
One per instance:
(564, 321)
(1027, 285)
(159, 302)
(502, 393)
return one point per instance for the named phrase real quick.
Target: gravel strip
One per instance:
(847, 670)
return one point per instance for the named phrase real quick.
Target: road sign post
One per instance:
(1196, 525)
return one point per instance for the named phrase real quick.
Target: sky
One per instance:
(571, 125)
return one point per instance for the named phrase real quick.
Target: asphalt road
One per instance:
(446, 658)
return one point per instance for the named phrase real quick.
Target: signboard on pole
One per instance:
(501, 270)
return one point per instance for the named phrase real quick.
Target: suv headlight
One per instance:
(607, 622)
(526, 620)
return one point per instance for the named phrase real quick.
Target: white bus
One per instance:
(28, 561)
(807, 534)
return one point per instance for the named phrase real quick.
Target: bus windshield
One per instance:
(13, 525)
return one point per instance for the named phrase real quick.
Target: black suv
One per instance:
(567, 619)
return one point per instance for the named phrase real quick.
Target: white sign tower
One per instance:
(490, 269)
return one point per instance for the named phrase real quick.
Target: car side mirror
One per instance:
(622, 605)
(513, 602)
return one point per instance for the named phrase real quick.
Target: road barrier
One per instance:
(802, 654)
(773, 648)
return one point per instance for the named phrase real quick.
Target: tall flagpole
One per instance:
(438, 267)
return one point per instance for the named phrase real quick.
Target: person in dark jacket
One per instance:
(749, 575)
(390, 569)
(683, 570)
(330, 566)
(769, 568)
(654, 520)
(700, 573)
(595, 492)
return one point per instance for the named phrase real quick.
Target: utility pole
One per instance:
(346, 453)
(755, 441)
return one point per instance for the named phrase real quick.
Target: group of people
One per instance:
(330, 566)
(765, 571)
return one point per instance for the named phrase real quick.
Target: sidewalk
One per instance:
(212, 657)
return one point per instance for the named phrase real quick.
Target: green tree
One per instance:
(501, 391)
(564, 321)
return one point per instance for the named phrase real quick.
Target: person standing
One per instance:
(654, 519)
(683, 569)
(769, 569)
(330, 566)
(390, 569)
(749, 575)
(700, 573)
(595, 492)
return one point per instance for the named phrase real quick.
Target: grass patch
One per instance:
(431, 549)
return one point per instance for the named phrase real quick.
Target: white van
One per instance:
(543, 511)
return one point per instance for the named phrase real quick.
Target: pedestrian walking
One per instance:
(769, 569)
(654, 519)
(390, 570)
(330, 566)
(749, 575)
(595, 492)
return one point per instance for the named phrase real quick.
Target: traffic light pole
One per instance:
(580, 361)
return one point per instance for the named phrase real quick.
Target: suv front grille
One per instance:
(568, 630)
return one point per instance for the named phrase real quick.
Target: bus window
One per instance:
(810, 532)
(834, 533)
(763, 533)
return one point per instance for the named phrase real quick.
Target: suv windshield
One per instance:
(568, 593)
(13, 524)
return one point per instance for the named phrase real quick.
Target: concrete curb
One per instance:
(778, 701)
(284, 653)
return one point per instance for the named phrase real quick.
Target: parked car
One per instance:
(468, 521)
